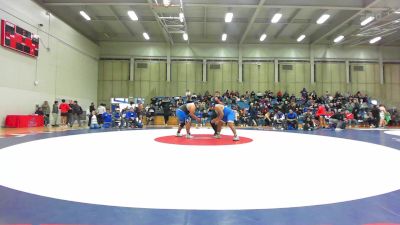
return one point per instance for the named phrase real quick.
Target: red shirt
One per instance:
(349, 116)
(64, 107)
(321, 111)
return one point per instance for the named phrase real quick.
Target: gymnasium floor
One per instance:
(150, 177)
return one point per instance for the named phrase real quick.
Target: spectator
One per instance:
(292, 120)
(321, 115)
(338, 120)
(166, 106)
(279, 121)
(308, 120)
(76, 114)
(150, 113)
(64, 108)
(93, 121)
(46, 111)
(92, 108)
(107, 119)
(55, 113)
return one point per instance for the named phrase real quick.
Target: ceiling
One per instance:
(204, 20)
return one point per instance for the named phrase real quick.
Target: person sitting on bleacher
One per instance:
(350, 118)
(150, 113)
(107, 119)
(131, 118)
(279, 121)
(308, 120)
(338, 120)
(93, 123)
(117, 118)
(292, 120)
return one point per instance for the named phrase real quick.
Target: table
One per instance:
(24, 121)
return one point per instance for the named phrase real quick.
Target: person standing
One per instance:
(64, 108)
(166, 106)
(76, 114)
(46, 111)
(91, 108)
(55, 113)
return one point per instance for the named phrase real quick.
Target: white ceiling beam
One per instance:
(166, 36)
(185, 22)
(384, 16)
(291, 19)
(115, 14)
(304, 29)
(129, 2)
(390, 39)
(253, 18)
(346, 21)
(215, 20)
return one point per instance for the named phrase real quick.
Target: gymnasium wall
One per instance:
(68, 69)
(331, 73)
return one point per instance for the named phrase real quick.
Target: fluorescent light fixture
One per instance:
(185, 36)
(228, 17)
(133, 15)
(276, 17)
(263, 36)
(84, 15)
(374, 40)
(397, 11)
(166, 2)
(299, 39)
(224, 37)
(323, 18)
(146, 36)
(338, 39)
(181, 16)
(367, 20)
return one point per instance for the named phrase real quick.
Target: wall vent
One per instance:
(141, 65)
(358, 68)
(287, 67)
(215, 66)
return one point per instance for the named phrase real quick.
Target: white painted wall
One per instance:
(68, 70)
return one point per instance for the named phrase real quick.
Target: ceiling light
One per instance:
(338, 39)
(228, 17)
(301, 38)
(185, 36)
(181, 16)
(146, 36)
(166, 2)
(367, 20)
(397, 11)
(374, 40)
(263, 36)
(86, 16)
(276, 18)
(224, 37)
(323, 18)
(132, 15)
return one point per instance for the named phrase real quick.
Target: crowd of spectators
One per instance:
(279, 110)
(287, 111)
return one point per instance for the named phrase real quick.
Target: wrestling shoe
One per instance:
(188, 136)
(178, 134)
(217, 136)
(236, 138)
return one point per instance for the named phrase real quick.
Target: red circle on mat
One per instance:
(202, 139)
